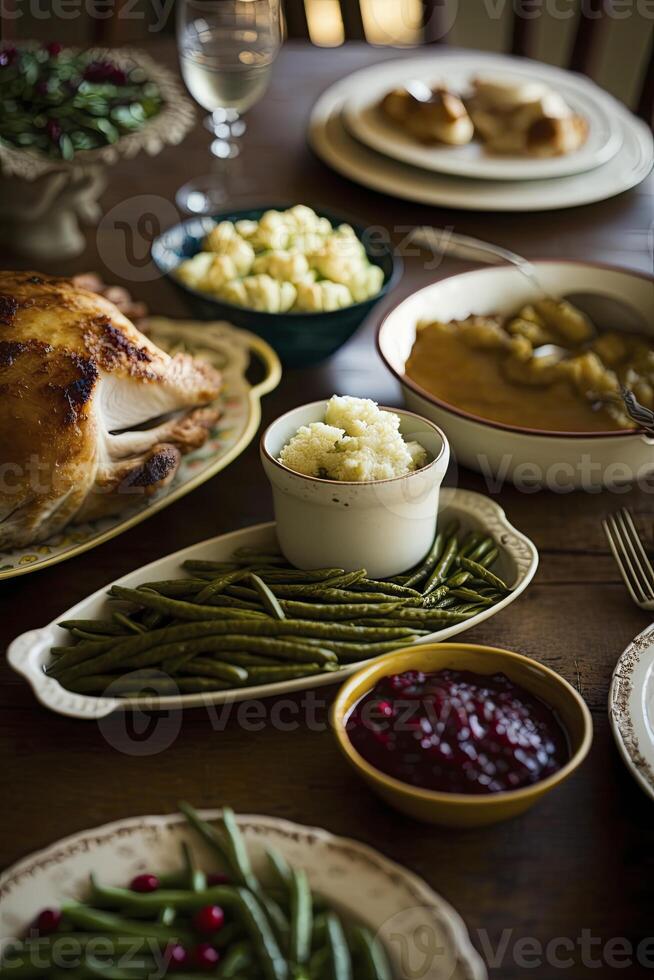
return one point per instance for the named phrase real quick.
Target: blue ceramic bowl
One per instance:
(300, 339)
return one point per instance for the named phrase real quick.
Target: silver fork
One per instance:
(635, 567)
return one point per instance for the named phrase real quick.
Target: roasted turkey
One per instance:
(93, 415)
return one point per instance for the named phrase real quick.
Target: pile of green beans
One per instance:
(255, 620)
(274, 927)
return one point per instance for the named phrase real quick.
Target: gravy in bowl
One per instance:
(485, 365)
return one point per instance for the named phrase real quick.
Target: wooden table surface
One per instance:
(581, 864)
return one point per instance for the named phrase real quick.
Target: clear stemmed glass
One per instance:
(226, 53)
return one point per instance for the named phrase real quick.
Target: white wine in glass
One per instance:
(226, 52)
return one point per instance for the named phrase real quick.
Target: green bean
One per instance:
(480, 571)
(316, 610)
(372, 962)
(388, 588)
(142, 686)
(471, 596)
(286, 672)
(207, 832)
(70, 656)
(489, 559)
(279, 867)
(95, 920)
(237, 959)
(270, 956)
(318, 963)
(174, 588)
(83, 635)
(211, 668)
(103, 626)
(295, 575)
(442, 566)
(179, 608)
(196, 880)
(301, 917)
(220, 583)
(470, 542)
(237, 852)
(425, 568)
(340, 961)
(268, 598)
(151, 903)
(363, 651)
(153, 619)
(128, 623)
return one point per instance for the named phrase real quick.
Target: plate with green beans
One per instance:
(211, 894)
(229, 619)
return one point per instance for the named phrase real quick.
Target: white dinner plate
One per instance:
(364, 119)
(332, 142)
(631, 708)
(30, 652)
(411, 919)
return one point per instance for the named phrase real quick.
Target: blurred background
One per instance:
(609, 39)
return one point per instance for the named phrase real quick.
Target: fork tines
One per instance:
(635, 567)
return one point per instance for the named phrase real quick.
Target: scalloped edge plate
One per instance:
(29, 653)
(631, 708)
(396, 903)
(230, 349)
(365, 121)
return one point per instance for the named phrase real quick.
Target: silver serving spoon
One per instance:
(605, 312)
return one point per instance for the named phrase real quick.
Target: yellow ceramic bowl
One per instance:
(460, 809)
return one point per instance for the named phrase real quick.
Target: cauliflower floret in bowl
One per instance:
(309, 314)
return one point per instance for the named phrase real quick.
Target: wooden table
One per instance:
(581, 863)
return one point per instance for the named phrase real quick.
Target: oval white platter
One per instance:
(29, 653)
(456, 69)
(359, 881)
(227, 348)
(331, 141)
(631, 708)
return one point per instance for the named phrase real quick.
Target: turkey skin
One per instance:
(93, 415)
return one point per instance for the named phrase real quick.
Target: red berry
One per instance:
(211, 918)
(144, 883)
(54, 48)
(176, 957)
(217, 878)
(8, 56)
(53, 129)
(47, 922)
(205, 956)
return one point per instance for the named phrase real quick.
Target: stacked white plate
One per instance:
(350, 134)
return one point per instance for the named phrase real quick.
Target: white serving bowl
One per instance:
(559, 461)
(385, 526)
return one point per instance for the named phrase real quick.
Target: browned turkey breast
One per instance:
(78, 384)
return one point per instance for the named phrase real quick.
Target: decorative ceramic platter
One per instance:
(29, 653)
(425, 937)
(332, 142)
(631, 708)
(365, 120)
(228, 349)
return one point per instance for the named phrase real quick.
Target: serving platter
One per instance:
(423, 934)
(367, 123)
(231, 351)
(631, 708)
(332, 142)
(29, 653)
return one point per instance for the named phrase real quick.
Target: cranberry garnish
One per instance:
(8, 56)
(104, 71)
(54, 48)
(53, 129)
(41, 87)
(47, 922)
(209, 919)
(176, 957)
(205, 956)
(144, 883)
(217, 878)
(458, 732)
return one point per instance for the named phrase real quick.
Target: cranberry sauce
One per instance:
(456, 731)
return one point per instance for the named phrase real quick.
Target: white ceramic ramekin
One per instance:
(386, 526)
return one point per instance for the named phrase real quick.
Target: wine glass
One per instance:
(226, 53)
